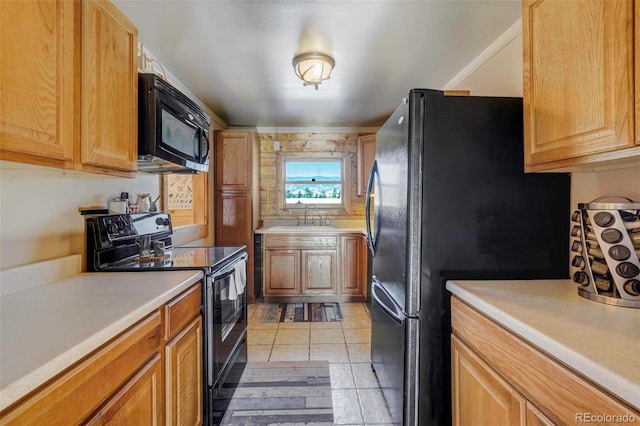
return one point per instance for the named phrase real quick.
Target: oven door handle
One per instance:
(224, 275)
(229, 269)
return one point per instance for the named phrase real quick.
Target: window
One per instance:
(314, 180)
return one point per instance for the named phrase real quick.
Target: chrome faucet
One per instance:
(306, 208)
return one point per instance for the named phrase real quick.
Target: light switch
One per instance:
(276, 145)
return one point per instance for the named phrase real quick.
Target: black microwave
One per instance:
(173, 131)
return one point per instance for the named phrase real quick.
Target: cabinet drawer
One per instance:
(181, 310)
(557, 391)
(72, 396)
(301, 241)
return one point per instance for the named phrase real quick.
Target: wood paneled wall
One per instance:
(311, 143)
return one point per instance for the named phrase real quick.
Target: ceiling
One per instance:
(235, 55)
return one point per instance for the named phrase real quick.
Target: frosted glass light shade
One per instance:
(313, 68)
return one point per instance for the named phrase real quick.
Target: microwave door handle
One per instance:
(204, 150)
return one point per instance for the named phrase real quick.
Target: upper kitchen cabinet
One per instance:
(37, 82)
(366, 157)
(234, 150)
(579, 84)
(68, 79)
(109, 127)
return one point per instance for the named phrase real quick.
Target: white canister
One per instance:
(118, 206)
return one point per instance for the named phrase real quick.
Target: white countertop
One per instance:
(601, 342)
(47, 328)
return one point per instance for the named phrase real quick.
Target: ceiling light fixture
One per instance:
(313, 68)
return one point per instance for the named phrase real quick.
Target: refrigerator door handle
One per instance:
(367, 208)
(384, 300)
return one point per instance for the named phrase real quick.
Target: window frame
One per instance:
(333, 209)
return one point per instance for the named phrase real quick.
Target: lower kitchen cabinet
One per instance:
(301, 266)
(499, 378)
(319, 271)
(282, 272)
(184, 376)
(183, 359)
(353, 264)
(128, 380)
(138, 402)
(479, 394)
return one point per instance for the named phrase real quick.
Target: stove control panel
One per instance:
(117, 226)
(129, 226)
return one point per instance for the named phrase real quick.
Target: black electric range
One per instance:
(142, 242)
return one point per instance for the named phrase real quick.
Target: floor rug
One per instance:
(271, 393)
(302, 312)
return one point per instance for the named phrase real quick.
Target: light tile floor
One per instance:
(356, 395)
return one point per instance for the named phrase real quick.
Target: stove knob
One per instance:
(121, 225)
(166, 222)
(159, 221)
(112, 228)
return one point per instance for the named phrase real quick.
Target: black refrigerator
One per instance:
(448, 199)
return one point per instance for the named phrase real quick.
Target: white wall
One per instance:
(39, 216)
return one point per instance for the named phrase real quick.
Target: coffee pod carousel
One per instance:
(605, 246)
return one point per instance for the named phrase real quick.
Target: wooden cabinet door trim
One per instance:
(233, 226)
(179, 311)
(352, 264)
(138, 402)
(233, 161)
(38, 81)
(479, 394)
(109, 122)
(366, 156)
(318, 271)
(184, 376)
(583, 104)
(554, 389)
(282, 272)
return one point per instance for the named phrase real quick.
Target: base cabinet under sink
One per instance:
(304, 267)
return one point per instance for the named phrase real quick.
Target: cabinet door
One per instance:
(319, 271)
(353, 264)
(37, 58)
(233, 161)
(366, 156)
(234, 226)
(282, 272)
(479, 395)
(138, 402)
(578, 79)
(184, 376)
(109, 90)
